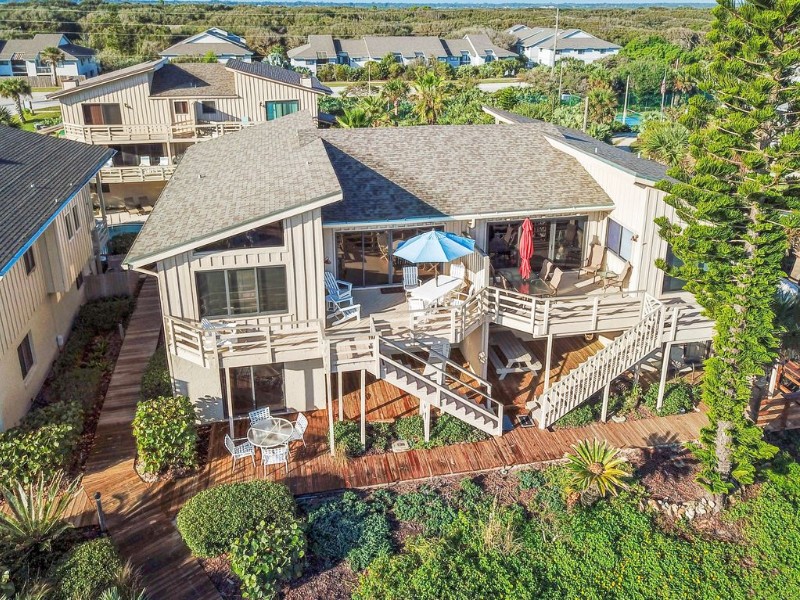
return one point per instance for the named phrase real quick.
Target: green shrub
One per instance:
(349, 528)
(531, 479)
(214, 518)
(87, 570)
(347, 438)
(102, 316)
(166, 434)
(121, 243)
(269, 554)
(156, 380)
(447, 429)
(583, 415)
(426, 508)
(380, 436)
(678, 398)
(411, 429)
(79, 385)
(43, 442)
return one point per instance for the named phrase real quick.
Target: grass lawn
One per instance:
(41, 115)
(46, 90)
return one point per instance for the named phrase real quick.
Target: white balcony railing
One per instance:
(136, 174)
(153, 132)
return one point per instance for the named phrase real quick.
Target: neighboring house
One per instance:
(22, 58)
(223, 44)
(472, 49)
(242, 249)
(152, 112)
(538, 44)
(46, 249)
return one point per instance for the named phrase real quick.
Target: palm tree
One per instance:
(665, 141)
(52, 56)
(596, 466)
(429, 96)
(375, 107)
(394, 91)
(14, 88)
(353, 118)
(602, 105)
(7, 118)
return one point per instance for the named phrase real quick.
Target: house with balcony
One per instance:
(223, 44)
(472, 49)
(152, 112)
(23, 58)
(46, 250)
(546, 46)
(280, 275)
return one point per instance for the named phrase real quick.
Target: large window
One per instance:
(252, 387)
(619, 240)
(672, 284)
(68, 223)
(366, 258)
(102, 114)
(234, 292)
(208, 107)
(25, 355)
(130, 155)
(560, 240)
(281, 109)
(266, 236)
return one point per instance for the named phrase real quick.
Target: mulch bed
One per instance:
(668, 473)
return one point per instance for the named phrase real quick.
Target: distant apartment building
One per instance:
(46, 250)
(472, 49)
(546, 46)
(23, 58)
(152, 112)
(223, 44)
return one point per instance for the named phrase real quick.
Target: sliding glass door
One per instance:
(252, 387)
(560, 240)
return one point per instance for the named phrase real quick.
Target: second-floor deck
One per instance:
(152, 132)
(127, 174)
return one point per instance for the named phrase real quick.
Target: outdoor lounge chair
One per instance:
(242, 450)
(555, 281)
(458, 270)
(163, 161)
(618, 280)
(144, 161)
(300, 426)
(410, 278)
(257, 415)
(546, 270)
(460, 299)
(275, 456)
(594, 262)
(418, 312)
(340, 313)
(338, 291)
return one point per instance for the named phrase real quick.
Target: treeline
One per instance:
(127, 32)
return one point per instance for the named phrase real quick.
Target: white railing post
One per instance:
(546, 318)
(595, 311)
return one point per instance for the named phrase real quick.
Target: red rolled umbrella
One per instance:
(526, 249)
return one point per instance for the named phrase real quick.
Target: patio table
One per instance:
(518, 358)
(434, 290)
(533, 286)
(270, 433)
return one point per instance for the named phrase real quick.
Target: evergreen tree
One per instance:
(735, 200)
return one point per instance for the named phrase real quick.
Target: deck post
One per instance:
(426, 417)
(229, 396)
(664, 368)
(363, 409)
(340, 396)
(548, 355)
(330, 413)
(606, 393)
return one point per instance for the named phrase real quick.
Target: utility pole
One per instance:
(663, 92)
(625, 105)
(560, 78)
(555, 42)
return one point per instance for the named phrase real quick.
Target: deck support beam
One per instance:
(662, 384)
(425, 408)
(363, 408)
(341, 396)
(228, 398)
(606, 393)
(330, 413)
(547, 361)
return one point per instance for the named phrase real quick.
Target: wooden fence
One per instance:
(113, 283)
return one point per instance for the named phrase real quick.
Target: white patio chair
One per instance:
(258, 415)
(242, 450)
(300, 426)
(210, 337)
(458, 271)
(340, 314)
(417, 312)
(338, 290)
(275, 456)
(410, 278)
(163, 161)
(144, 161)
(460, 299)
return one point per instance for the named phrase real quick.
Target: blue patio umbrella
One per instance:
(435, 247)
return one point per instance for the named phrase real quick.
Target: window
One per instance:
(252, 387)
(25, 354)
(79, 280)
(68, 223)
(30, 261)
(76, 219)
(266, 236)
(102, 114)
(181, 107)
(234, 292)
(208, 107)
(105, 188)
(672, 284)
(282, 108)
(619, 240)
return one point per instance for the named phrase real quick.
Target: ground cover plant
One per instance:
(166, 435)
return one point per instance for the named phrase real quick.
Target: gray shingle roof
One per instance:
(379, 46)
(110, 76)
(240, 178)
(267, 71)
(28, 49)
(38, 174)
(201, 49)
(542, 37)
(401, 173)
(628, 161)
(196, 80)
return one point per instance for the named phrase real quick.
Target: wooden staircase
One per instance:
(782, 411)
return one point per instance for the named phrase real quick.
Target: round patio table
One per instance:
(269, 433)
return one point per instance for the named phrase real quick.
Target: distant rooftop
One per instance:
(29, 49)
(568, 39)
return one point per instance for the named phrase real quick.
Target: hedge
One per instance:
(87, 570)
(156, 380)
(166, 434)
(211, 521)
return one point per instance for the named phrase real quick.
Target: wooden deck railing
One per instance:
(153, 132)
(136, 174)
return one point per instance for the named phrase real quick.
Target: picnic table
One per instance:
(435, 289)
(518, 359)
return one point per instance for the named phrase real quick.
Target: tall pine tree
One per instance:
(735, 201)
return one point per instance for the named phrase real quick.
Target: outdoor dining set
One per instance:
(270, 435)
